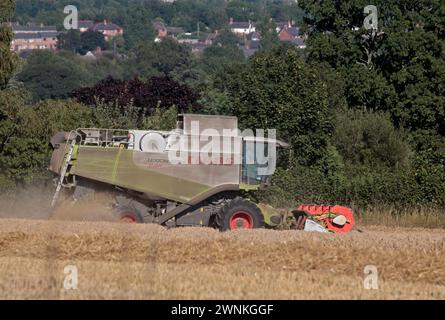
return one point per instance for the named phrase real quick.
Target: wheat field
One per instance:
(116, 261)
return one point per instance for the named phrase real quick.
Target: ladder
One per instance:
(63, 171)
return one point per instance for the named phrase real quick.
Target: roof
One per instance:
(87, 24)
(49, 34)
(175, 30)
(158, 25)
(106, 26)
(32, 28)
(239, 25)
(36, 35)
(282, 24)
(293, 31)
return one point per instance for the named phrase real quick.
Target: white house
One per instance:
(241, 28)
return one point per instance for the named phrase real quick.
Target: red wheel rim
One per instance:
(241, 220)
(128, 218)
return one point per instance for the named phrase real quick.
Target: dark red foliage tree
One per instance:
(162, 92)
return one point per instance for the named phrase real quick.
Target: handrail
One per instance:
(110, 135)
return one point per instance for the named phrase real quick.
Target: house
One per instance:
(174, 32)
(241, 28)
(108, 29)
(292, 34)
(160, 28)
(32, 37)
(189, 41)
(281, 25)
(163, 30)
(85, 25)
(289, 33)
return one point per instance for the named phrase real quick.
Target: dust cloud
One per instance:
(34, 203)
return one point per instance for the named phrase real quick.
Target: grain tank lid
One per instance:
(266, 140)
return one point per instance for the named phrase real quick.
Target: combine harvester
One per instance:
(150, 187)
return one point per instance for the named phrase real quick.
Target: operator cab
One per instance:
(259, 160)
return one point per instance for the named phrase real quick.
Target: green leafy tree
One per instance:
(157, 58)
(217, 58)
(7, 58)
(242, 10)
(137, 26)
(367, 137)
(278, 90)
(70, 41)
(215, 102)
(162, 119)
(25, 131)
(401, 63)
(49, 76)
(269, 37)
(226, 38)
(90, 40)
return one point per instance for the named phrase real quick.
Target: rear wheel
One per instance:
(239, 214)
(128, 215)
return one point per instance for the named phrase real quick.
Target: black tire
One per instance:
(128, 214)
(239, 214)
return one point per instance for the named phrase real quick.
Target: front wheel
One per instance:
(239, 214)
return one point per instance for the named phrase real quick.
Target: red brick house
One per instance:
(292, 35)
(32, 37)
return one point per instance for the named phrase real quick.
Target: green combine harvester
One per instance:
(174, 178)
